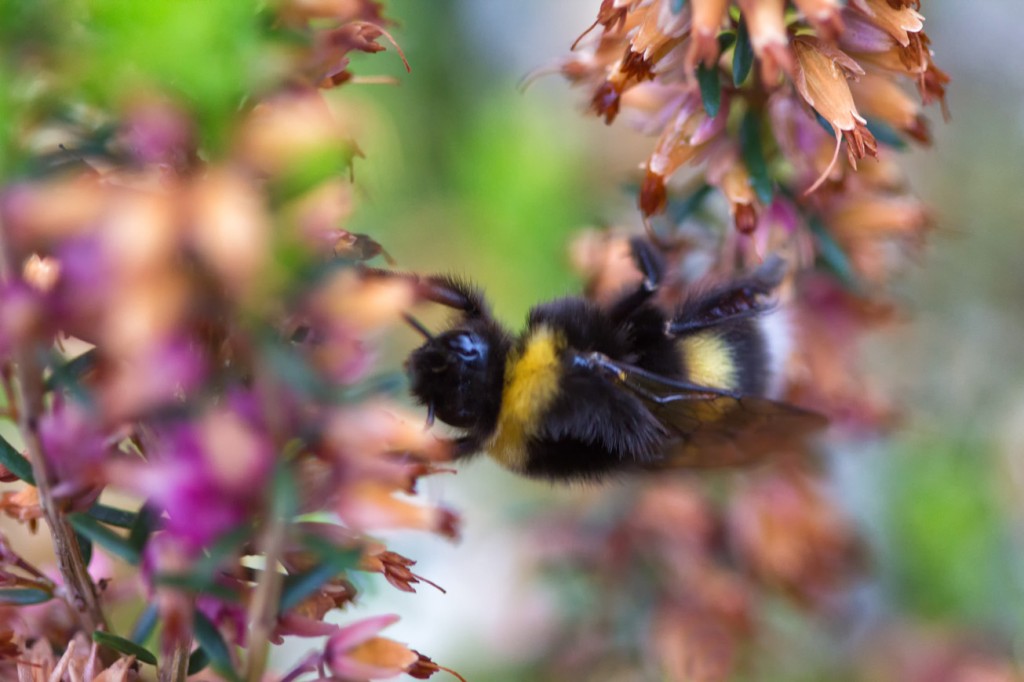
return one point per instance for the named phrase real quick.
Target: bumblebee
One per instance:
(588, 391)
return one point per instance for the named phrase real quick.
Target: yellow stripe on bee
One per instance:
(709, 360)
(531, 383)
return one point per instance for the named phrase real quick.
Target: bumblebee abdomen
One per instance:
(738, 355)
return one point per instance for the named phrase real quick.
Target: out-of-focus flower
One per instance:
(347, 309)
(603, 259)
(22, 505)
(691, 646)
(289, 130)
(230, 231)
(791, 535)
(383, 453)
(41, 273)
(208, 476)
(356, 652)
(152, 376)
(394, 567)
(198, 250)
(157, 132)
(75, 448)
(910, 653)
(80, 661)
(373, 506)
(768, 36)
(828, 320)
(22, 316)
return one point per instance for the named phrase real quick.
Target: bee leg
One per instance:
(744, 297)
(451, 293)
(463, 446)
(634, 379)
(445, 290)
(650, 264)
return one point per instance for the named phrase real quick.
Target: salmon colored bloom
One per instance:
(792, 536)
(356, 652)
(705, 23)
(824, 15)
(884, 100)
(768, 36)
(821, 76)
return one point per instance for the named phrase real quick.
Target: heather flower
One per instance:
(394, 567)
(821, 81)
(283, 132)
(22, 505)
(808, 64)
(231, 231)
(706, 22)
(768, 36)
(184, 326)
(789, 533)
(22, 315)
(346, 310)
(355, 651)
(158, 133)
(153, 376)
(207, 476)
(75, 448)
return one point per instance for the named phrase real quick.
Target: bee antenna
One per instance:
(418, 326)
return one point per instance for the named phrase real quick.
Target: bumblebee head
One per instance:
(459, 374)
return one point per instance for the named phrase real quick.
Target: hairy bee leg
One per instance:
(441, 289)
(627, 375)
(650, 264)
(745, 297)
(463, 446)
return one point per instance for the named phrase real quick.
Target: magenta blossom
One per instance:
(209, 476)
(74, 446)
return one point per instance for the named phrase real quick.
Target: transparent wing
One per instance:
(709, 427)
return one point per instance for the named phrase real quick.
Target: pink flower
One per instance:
(356, 652)
(74, 446)
(208, 475)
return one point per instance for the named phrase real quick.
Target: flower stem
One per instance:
(174, 666)
(28, 390)
(263, 608)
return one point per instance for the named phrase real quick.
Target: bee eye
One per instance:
(467, 346)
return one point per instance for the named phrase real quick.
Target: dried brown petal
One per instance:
(821, 80)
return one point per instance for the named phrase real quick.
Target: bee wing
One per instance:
(710, 427)
(726, 431)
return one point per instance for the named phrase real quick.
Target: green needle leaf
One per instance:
(301, 585)
(753, 156)
(23, 596)
(145, 625)
(125, 646)
(112, 516)
(104, 537)
(213, 644)
(198, 661)
(15, 462)
(142, 527)
(743, 57)
(710, 89)
(833, 256)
